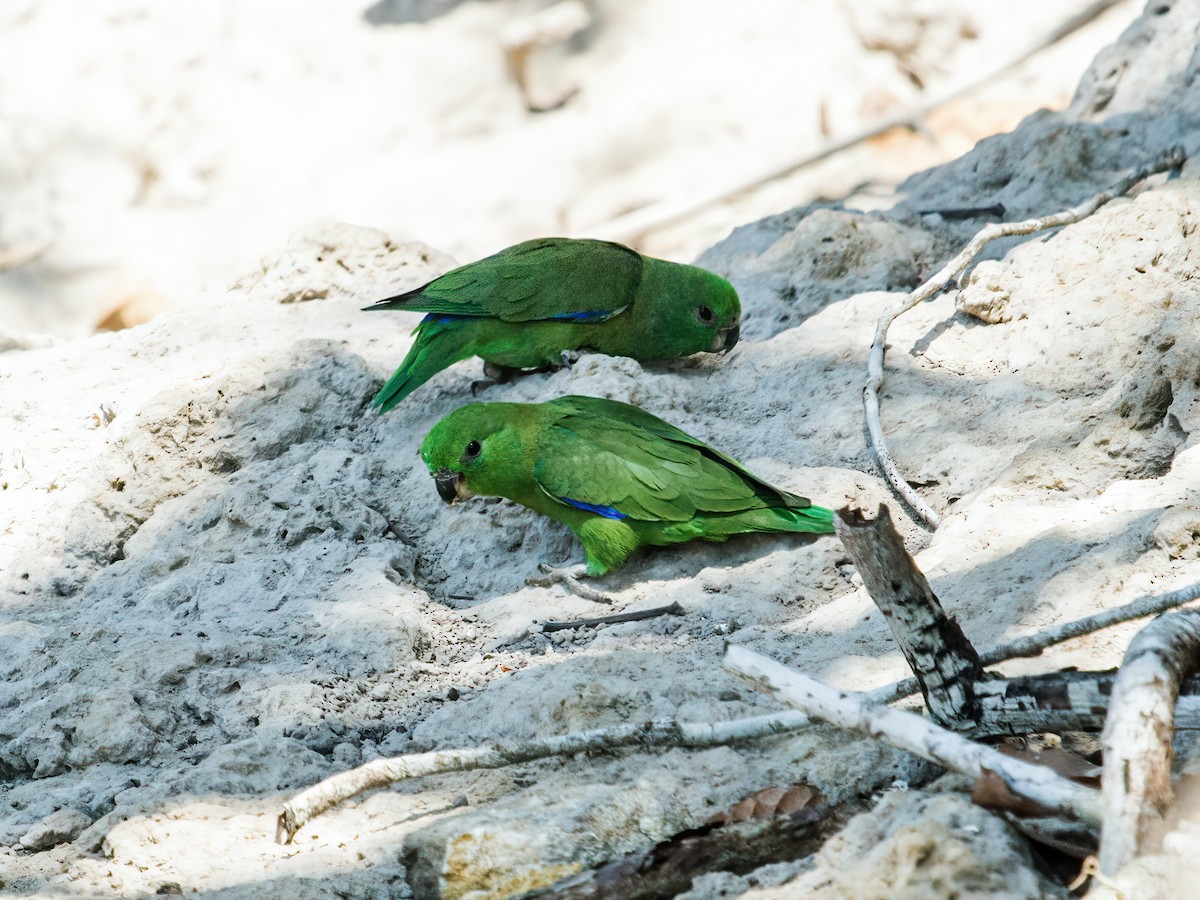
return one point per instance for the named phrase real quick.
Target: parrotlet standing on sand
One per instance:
(617, 476)
(528, 306)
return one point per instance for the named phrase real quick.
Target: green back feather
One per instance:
(540, 279)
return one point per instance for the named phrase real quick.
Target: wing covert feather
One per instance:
(610, 454)
(547, 278)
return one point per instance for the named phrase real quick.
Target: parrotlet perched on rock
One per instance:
(527, 306)
(617, 476)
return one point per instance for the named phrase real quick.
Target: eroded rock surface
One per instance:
(224, 577)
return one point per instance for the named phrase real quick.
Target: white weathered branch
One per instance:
(1171, 159)
(1137, 737)
(381, 772)
(914, 733)
(1061, 701)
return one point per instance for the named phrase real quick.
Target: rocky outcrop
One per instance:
(224, 576)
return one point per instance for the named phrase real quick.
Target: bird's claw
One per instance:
(499, 374)
(568, 577)
(493, 374)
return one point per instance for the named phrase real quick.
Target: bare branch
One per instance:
(22, 253)
(1171, 159)
(913, 733)
(381, 772)
(1063, 701)
(1034, 644)
(1137, 738)
(945, 663)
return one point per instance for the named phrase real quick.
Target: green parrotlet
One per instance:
(527, 306)
(617, 476)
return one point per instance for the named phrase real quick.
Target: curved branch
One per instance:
(381, 772)
(1137, 737)
(1166, 161)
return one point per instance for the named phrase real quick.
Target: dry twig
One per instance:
(1137, 738)
(1171, 159)
(381, 772)
(22, 253)
(913, 733)
(637, 615)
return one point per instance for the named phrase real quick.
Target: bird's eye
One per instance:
(705, 315)
(473, 449)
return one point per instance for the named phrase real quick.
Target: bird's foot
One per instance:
(494, 375)
(569, 358)
(568, 577)
(499, 374)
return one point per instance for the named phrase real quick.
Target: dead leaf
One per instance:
(768, 803)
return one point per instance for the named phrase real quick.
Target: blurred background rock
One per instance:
(149, 152)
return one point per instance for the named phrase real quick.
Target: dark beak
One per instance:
(727, 338)
(447, 485)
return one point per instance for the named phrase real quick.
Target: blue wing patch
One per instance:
(607, 511)
(589, 315)
(441, 319)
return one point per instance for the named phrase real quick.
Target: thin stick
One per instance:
(914, 733)
(637, 615)
(633, 225)
(1034, 644)
(1137, 738)
(380, 772)
(1170, 159)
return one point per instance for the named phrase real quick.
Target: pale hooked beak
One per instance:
(450, 486)
(726, 338)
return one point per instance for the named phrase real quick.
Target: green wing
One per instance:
(547, 278)
(616, 458)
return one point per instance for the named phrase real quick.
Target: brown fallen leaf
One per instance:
(768, 803)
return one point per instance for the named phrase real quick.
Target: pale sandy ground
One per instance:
(223, 578)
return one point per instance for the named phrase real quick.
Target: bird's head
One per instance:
(477, 449)
(696, 311)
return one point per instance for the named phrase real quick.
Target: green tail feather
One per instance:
(805, 520)
(769, 520)
(439, 344)
(814, 519)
